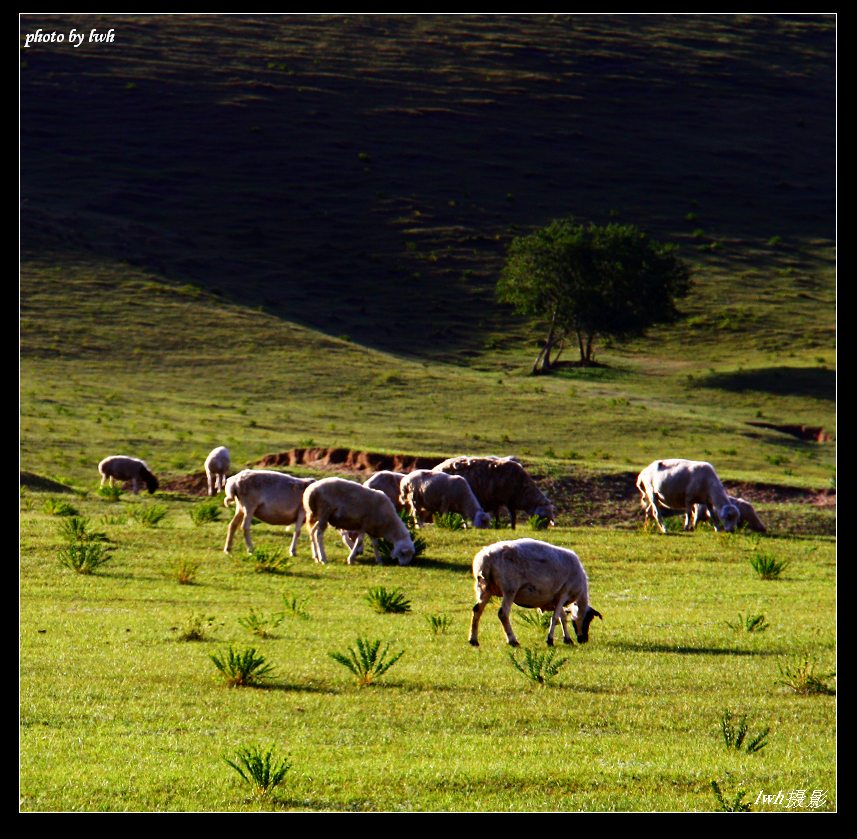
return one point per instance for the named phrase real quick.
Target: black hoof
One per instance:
(474, 643)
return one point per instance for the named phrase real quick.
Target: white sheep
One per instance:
(535, 575)
(426, 493)
(350, 506)
(216, 468)
(685, 485)
(389, 483)
(122, 468)
(272, 497)
(745, 509)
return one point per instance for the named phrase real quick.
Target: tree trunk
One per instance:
(545, 352)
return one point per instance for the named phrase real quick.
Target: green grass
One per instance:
(629, 724)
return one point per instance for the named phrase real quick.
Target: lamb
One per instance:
(535, 575)
(500, 482)
(685, 485)
(272, 497)
(748, 515)
(121, 468)
(216, 467)
(350, 506)
(425, 493)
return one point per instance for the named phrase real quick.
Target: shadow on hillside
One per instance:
(816, 382)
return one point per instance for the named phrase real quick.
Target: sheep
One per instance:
(745, 508)
(216, 467)
(389, 483)
(500, 482)
(272, 497)
(350, 506)
(122, 468)
(535, 575)
(425, 493)
(685, 485)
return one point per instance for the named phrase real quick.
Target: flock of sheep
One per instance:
(526, 572)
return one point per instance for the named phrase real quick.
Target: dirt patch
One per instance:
(349, 459)
(802, 432)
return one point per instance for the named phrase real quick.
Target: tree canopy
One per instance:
(588, 280)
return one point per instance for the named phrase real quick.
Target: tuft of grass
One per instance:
(195, 627)
(269, 561)
(439, 624)
(735, 734)
(149, 514)
(535, 618)
(736, 805)
(83, 557)
(261, 625)
(749, 623)
(205, 511)
(800, 676)
(449, 521)
(767, 566)
(110, 493)
(244, 668)
(538, 523)
(185, 571)
(60, 507)
(260, 769)
(539, 666)
(293, 605)
(385, 549)
(368, 662)
(384, 601)
(76, 529)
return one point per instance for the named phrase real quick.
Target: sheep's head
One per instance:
(730, 517)
(482, 520)
(581, 624)
(403, 552)
(546, 511)
(151, 482)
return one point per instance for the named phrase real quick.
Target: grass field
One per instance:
(284, 232)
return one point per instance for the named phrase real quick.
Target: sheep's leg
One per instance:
(233, 525)
(134, 486)
(563, 620)
(689, 517)
(512, 517)
(212, 483)
(656, 515)
(103, 480)
(316, 533)
(377, 552)
(357, 548)
(248, 519)
(503, 614)
(293, 548)
(482, 598)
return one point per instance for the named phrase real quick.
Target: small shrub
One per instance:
(195, 627)
(242, 669)
(76, 529)
(535, 618)
(538, 522)
(83, 557)
(538, 666)
(750, 623)
(735, 735)
(294, 606)
(449, 521)
(185, 571)
(110, 493)
(59, 507)
(767, 566)
(205, 511)
(149, 515)
(261, 770)
(439, 624)
(368, 662)
(269, 561)
(261, 625)
(384, 601)
(799, 676)
(736, 805)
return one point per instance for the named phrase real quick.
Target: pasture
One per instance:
(284, 233)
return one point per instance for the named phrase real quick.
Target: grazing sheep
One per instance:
(535, 575)
(389, 483)
(500, 482)
(272, 497)
(121, 468)
(350, 506)
(685, 485)
(425, 493)
(745, 508)
(216, 467)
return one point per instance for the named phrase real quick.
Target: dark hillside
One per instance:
(362, 175)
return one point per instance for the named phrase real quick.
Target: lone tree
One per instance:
(587, 281)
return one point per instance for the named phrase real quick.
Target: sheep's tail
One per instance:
(227, 495)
